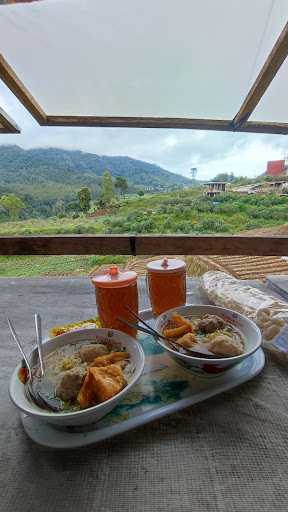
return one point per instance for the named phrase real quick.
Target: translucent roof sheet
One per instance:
(274, 105)
(190, 58)
(277, 17)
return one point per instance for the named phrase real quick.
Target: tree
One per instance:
(59, 208)
(84, 197)
(140, 193)
(13, 205)
(224, 176)
(121, 184)
(107, 187)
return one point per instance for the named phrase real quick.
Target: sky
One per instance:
(174, 150)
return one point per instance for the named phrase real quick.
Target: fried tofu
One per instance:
(113, 357)
(100, 384)
(187, 341)
(180, 326)
(179, 320)
(176, 332)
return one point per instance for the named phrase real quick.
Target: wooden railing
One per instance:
(144, 245)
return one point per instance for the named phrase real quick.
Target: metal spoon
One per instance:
(38, 326)
(15, 337)
(199, 352)
(36, 389)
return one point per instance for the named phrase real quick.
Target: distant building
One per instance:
(275, 187)
(255, 188)
(214, 188)
(277, 167)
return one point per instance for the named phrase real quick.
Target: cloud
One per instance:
(175, 150)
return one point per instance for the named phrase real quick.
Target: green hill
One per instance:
(59, 166)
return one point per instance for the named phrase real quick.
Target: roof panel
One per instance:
(277, 16)
(190, 58)
(274, 106)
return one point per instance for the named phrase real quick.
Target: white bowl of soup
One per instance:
(91, 371)
(222, 331)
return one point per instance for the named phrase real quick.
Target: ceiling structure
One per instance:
(188, 64)
(199, 64)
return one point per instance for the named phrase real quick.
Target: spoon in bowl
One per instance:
(196, 351)
(38, 327)
(37, 388)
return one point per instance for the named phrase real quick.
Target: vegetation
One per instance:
(84, 198)
(69, 192)
(121, 184)
(107, 188)
(188, 211)
(12, 204)
(28, 266)
(42, 176)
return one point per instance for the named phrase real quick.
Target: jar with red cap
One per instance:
(166, 282)
(115, 291)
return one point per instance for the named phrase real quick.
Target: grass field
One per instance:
(33, 266)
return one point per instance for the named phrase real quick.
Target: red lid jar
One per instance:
(166, 282)
(115, 291)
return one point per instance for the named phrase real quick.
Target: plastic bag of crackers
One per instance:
(267, 311)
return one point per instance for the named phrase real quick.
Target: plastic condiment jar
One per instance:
(166, 282)
(115, 291)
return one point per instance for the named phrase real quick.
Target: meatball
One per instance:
(210, 323)
(70, 384)
(89, 352)
(225, 346)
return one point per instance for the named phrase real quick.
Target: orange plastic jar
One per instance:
(114, 291)
(166, 282)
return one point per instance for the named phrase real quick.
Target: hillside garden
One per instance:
(187, 211)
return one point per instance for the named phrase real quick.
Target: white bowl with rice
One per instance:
(247, 329)
(114, 340)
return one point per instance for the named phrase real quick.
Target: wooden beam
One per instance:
(66, 244)
(15, 85)
(271, 66)
(166, 122)
(144, 245)
(262, 127)
(139, 122)
(211, 244)
(7, 125)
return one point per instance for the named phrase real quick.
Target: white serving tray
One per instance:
(164, 388)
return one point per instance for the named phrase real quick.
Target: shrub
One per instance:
(203, 205)
(228, 208)
(184, 227)
(168, 224)
(212, 225)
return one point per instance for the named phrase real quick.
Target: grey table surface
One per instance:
(227, 454)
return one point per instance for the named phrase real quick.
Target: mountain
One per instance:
(50, 166)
